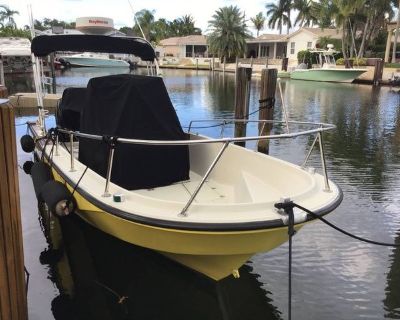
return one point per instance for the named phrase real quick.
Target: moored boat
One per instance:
(326, 70)
(88, 59)
(120, 160)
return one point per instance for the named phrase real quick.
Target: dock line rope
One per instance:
(291, 204)
(28, 275)
(269, 104)
(288, 207)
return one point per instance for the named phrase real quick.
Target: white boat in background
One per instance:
(126, 167)
(16, 54)
(88, 59)
(327, 69)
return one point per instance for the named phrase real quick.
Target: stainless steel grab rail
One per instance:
(321, 127)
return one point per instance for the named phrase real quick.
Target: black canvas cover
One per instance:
(133, 106)
(69, 110)
(43, 45)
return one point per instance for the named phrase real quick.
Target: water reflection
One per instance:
(392, 300)
(334, 277)
(123, 281)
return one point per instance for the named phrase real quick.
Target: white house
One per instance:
(276, 46)
(184, 47)
(307, 38)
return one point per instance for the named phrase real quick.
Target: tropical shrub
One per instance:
(340, 62)
(356, 62)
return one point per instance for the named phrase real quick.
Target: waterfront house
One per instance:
(193, 46)
(271, 46)
(307, 38)
(277, 46)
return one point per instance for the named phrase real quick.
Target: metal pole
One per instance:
(203, 180)
(321, 148)
(57, 142)
(71, 144)
(283, 106)
(109, 169)
(309, 152)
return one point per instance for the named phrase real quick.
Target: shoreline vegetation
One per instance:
(362, 26)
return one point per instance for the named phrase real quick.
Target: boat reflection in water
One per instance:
(101, 277)
(392, 300)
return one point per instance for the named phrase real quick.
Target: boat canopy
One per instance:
(133, 107)
(44, 45)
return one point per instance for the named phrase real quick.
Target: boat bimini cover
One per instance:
(135, 107)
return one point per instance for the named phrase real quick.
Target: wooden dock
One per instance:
(13, 305)
(28, 100)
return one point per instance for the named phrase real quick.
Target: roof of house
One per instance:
(181, 41)
(318, 32)
(268, 38)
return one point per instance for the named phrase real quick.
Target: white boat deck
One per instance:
(234, 193)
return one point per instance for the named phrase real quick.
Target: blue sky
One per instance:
(121, 13)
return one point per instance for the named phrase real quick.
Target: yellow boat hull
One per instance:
(216, 254)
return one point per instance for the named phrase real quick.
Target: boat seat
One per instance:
(68, 113)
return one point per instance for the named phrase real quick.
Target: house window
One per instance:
(309, 45)
(292, 47)
(189, 51)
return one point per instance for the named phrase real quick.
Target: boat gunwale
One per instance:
(321, 128)
(183, 225)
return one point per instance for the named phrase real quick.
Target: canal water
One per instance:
(334, 277)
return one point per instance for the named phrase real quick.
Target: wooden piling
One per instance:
(285, 62)
(13, 304)
(242, 98)
(53, 74)
(378, 72)
(2, 81)
(267, 102)
(3, 92)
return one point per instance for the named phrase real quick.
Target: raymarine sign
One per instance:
(94, 25)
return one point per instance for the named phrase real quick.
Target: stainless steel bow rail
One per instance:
(317, 129)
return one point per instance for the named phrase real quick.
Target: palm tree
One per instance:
(396, 34)
(228, 33)
(258, 21)
(186, 26)
(6, 15)
(144, 21)
(306, 16)
(278, 15)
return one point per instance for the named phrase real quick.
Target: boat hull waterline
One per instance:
(328, 75)
(94, 62)
(216, 254)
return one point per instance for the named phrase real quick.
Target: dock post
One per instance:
(53, 74)
(378, 72)
(3, 92)
(242, 99)
(2, 81)
(267, 103)
(13, 305)
(285, 62)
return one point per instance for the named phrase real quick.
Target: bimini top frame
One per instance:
(44, 45)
